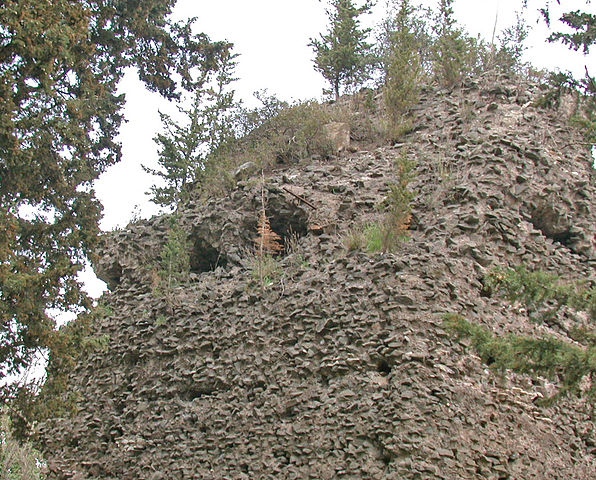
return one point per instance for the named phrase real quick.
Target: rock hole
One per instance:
(193, 393)
(131, 358)
(205, 258)
(112, 275)
(485, 290)
(288, 220)
(552, 224)
(383, 367)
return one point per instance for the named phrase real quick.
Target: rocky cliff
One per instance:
(339, 367)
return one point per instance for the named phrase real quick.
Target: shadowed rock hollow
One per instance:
(340, 368)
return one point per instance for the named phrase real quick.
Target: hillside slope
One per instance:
(340, 368)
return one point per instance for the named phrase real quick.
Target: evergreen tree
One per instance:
(403, 65)
(342, 55)
(186, 147)
(452, 50)
(583, 25)
(60, 64)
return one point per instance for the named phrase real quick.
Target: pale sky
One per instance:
(272, 39)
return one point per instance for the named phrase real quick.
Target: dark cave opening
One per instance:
(204, 257)
(383, 367)
(552, 225)
(287, 220)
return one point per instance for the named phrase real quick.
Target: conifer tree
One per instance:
(60, 64)
(403, 73)
(581, 22)
(185, 147)
(450, 47)
(342, 55)
(583, 35)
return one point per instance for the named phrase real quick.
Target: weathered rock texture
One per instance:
(340, 368)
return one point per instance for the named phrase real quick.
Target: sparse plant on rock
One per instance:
(398, 208)
(355, 239)
(175, 256)
(572, 365)
(267, 244)
(386, 234)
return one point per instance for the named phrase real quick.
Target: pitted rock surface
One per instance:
(340, 368)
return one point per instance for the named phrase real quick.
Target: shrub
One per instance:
(175, 256)
(295, 133)
(546, 356)
(395, 131)
(18, 461)
(386, 234)
(286, 134)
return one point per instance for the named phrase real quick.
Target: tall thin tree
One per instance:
(342, 55)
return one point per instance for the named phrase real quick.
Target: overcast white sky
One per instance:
(272, 39)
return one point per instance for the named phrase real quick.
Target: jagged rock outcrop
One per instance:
(340, 368)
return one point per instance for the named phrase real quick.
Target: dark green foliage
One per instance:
(342, 55)
(538, 289)
(550, 357)
(60, 64)
(583, 37)
(547, 356)
(185, 148)
(36, 402)
(584, 92)
(583, 24)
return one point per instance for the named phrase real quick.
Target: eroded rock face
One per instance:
(339, 134)
(340, 367)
